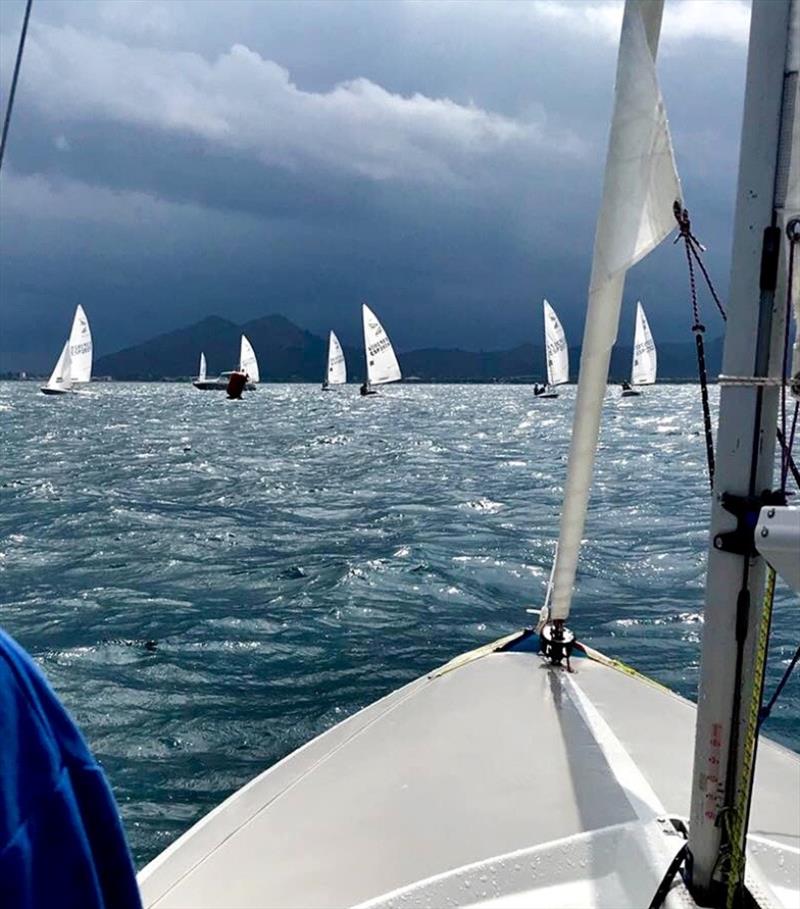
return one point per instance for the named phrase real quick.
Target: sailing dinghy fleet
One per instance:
(500, 779)
(74, 365)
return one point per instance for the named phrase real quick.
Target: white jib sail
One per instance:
(640, 187)
(645, 360)
(337, 371)
(382, 363)
(556, 348)
(80, 347)
(61, 377)
(247, 360)
(201, 373)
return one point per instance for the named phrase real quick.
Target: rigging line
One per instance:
(793, 234)
(690, 241)
(789, 446)
(14, 79)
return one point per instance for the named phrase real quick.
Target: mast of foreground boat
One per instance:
(767, 196)
(640, 187)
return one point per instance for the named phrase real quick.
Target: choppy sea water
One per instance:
(298, 554)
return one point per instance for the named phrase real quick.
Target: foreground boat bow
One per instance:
(496, 777)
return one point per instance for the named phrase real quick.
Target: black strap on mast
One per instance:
(15, 79)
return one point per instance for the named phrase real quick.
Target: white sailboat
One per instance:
(500, 780)
(382, 365)
(556, 354)
(336, 373)
(248, 364)
(645, 358)
(74, 365)
(60, 381)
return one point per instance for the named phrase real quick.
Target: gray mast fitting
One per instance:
(745, 444)
(778, 541)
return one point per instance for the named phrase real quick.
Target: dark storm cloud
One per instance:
(442, 160)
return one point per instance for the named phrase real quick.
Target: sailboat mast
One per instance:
(722, 776)
(639, 190)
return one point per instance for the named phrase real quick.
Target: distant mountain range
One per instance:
(286, 352)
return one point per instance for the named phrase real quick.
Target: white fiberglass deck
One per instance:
(500, 755)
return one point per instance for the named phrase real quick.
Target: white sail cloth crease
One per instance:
(80, 347)
(640, 188)
(247, 360)
(557, 353)
(645, 358)
(382, 365)
(337, 370)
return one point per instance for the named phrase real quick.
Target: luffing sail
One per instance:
(248, 362)
(382, 365)
(640, 188)
(337, 371)
(556, 348)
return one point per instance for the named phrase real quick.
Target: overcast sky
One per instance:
(170, 159)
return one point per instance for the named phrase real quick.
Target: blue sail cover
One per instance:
(61, 839)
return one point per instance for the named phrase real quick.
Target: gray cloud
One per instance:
(171, 159)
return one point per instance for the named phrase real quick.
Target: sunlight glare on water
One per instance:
(298, 554)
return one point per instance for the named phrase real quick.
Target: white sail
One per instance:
(382, 363)
(337, 370)
(641, 185)
(80, 347)
(61, 377)
(201, 374)
(556, 348)
(645, 360)
(247, 360)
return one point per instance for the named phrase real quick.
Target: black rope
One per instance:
(793, 234)
(693, 248)
(669, 876)
(767, 708)
(787, 448)
(14, 79)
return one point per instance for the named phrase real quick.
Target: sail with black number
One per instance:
(643, 368)
(248, 362)
(382, 365)
(80, 348)
(336, 373)
(74, 365)
(556, 348)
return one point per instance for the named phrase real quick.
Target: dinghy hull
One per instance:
(219, 385)
(54, 391)
(496, 756)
